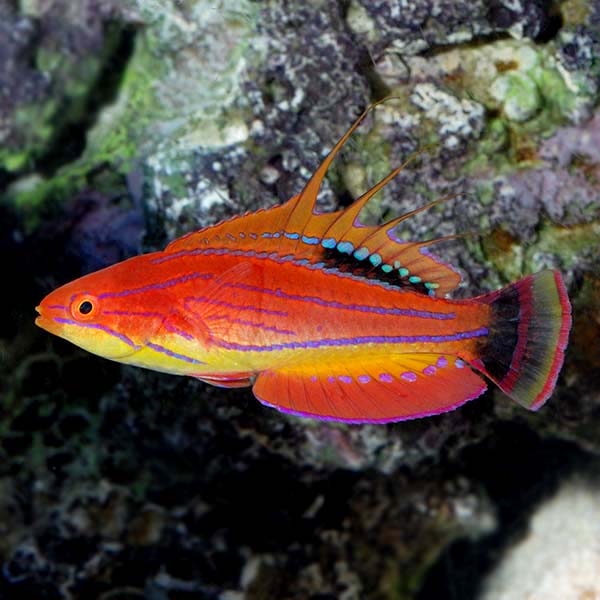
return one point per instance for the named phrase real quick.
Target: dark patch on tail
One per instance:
(499, 346)
(529, 328)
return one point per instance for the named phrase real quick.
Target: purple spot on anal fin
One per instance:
(409, 376)
(442, 362)
(364, 378)
(459, 364)
(345, 379)
(331, 379)
(386, 378)
(313, 378)
(429, 370)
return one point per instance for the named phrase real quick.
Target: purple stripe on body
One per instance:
(166, 324)
(157, 286)
(108, 330)
(172, 354)
(58, 307)
(405, 312)
(357, 341)
(214, 302)
(197, 251)
(173, 256)
(133, 313)
(177, 331)
(262, 326)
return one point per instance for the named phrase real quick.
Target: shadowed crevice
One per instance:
(518, 471)
(70, 140)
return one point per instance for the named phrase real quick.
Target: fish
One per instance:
(324, 316)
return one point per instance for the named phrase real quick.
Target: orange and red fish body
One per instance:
(323, 316)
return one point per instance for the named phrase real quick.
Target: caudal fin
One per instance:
(529, 330)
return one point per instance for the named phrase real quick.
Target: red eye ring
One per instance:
(84, 308)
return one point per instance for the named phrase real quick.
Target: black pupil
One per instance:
(85, 308)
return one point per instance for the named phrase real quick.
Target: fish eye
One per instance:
(84, 308)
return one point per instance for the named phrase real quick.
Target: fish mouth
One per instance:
(44, 321)
(39, 320)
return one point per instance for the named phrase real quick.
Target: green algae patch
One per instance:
(518, 94)
(13, 161)
(122, 128)
(511, 258)
(522, 81)
(568, 243)
(505, 253)
(527, 93)
(171, 102)
(370, 164)
(37, 128)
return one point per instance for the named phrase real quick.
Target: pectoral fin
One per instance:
(213, 310)
(231, 380)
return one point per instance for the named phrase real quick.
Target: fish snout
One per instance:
(45, 316)
(38, 319)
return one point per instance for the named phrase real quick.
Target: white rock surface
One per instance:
(560, 557)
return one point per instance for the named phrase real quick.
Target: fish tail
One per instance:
(528, 333)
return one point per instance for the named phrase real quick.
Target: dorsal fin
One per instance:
(296, 215)
(335, 240)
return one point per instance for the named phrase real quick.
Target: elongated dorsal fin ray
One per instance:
(335, 240)
(294, 214)
(348, 218)
(304, 203)
(377, 238)
(448, 238)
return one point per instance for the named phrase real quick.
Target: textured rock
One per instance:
(52, 54)
(559, 556)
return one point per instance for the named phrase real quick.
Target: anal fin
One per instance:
(372, 389)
